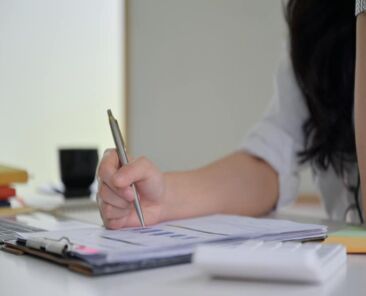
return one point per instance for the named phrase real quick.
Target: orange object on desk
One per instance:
(6, 192)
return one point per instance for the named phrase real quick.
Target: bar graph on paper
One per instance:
(161, 236)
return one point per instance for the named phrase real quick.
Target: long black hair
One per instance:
(322, 49)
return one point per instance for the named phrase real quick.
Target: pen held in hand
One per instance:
(121, 151)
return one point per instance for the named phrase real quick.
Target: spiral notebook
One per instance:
(96, 251)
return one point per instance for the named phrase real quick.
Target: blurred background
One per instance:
(61, 67)
(186, 79)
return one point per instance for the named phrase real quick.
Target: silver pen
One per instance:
(121, 151)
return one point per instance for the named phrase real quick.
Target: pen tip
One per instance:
(109, 112)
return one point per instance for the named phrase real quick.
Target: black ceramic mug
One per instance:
(77, 167)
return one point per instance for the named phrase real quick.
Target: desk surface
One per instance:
(25, 275)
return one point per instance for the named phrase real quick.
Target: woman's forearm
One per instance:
(238, 184)
(360, 102)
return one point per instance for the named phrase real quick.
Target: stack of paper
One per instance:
(99, 247)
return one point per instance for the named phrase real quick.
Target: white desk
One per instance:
(25, 275)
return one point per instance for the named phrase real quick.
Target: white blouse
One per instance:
(277, 139)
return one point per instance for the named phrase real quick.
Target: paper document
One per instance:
(177, 237)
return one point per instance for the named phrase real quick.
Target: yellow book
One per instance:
(9, 175)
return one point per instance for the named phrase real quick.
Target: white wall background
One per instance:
(60, 69)
(200, 76)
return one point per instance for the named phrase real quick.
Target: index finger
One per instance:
(108, 166)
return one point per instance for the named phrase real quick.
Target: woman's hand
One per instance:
(115, 195)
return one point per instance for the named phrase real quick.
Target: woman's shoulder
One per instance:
(287, 94)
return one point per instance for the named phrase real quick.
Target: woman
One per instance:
(310, 121)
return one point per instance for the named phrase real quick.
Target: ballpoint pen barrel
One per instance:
(120, 147)
(136, 203)
(118, 140)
